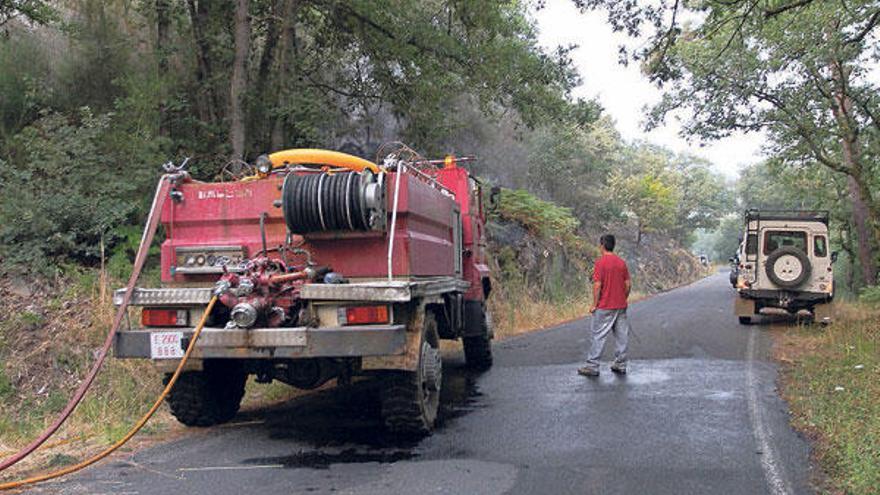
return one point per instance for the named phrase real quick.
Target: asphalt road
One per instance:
(697, 413)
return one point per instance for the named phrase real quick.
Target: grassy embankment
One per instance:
(48, 338)
(540, 265)
(831, 380)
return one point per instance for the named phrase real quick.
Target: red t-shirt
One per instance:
(611, 271)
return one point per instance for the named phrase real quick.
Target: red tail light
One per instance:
(154, 317)
(360, 315)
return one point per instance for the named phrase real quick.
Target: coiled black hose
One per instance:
(319, 202)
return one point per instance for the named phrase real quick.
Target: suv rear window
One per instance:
(820, 248)
(775, 239)
(752, 245)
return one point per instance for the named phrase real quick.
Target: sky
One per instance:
(624, 91)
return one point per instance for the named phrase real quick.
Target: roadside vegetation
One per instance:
(831, 380)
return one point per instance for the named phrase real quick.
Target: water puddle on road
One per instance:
(344, 425)
(323, 460)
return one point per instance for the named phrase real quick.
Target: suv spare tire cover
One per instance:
(788, 267)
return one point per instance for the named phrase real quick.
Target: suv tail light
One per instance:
(157, 317)
(360, 315)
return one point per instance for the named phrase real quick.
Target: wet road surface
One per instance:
(697, 413)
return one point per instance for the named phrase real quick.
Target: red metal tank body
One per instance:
(211, 217)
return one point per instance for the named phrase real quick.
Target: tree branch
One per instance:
(872, 23)
(768, 13)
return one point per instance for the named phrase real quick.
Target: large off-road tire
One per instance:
(478, 348)
(411, 399)
(788, 267)
(208, 397)
(477, 352)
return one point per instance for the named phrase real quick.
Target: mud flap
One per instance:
(409, 360)
(823, 313)
(744, 307)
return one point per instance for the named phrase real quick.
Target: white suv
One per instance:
(784, 262)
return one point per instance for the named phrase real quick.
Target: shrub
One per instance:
(74, 185)
(870, 295)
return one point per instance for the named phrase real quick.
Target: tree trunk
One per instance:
(866, 216)
(864, 232)
(162, 48)
(209, 104)
(283, 77)
(239, 80)
(162, 25)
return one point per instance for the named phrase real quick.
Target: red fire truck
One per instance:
(325, 266)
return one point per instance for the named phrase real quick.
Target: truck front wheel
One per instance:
(478, 344)
(208, 397)
(411, 399)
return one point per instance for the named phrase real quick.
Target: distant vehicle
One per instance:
(784, 262)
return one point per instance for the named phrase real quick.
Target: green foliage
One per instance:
(69, 197)
(542, 218)
(6, 388)
(648, 193)
(870, 295)
(23, 84)
(570, 162)
(83, 129)
(729, 233)
(36, 11)
(801, 72)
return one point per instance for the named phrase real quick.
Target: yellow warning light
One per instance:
(449, 161)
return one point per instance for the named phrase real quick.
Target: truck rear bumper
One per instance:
(269, 343)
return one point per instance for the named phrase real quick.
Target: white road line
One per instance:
(772, 470)
(231, 468)
(151, 470)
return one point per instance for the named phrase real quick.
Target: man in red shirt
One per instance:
(611, 287)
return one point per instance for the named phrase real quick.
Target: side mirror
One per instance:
(834, 256)
(494, 198)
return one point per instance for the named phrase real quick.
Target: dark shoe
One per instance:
(619, 368)
(588, 371)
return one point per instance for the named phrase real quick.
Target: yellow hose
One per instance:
(140, 424)
(308, 156)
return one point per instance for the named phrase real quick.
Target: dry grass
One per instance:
(50, 339)
(831, 380)
(520, 313)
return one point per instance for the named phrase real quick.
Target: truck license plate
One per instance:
(166, 345)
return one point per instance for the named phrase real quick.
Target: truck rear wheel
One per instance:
(208, 397)
(411, 399)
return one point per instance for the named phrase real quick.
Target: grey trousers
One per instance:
(604, 322)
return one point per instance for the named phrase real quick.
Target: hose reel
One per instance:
(327, 202)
